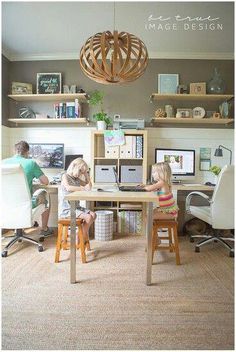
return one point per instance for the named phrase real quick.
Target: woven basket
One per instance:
(104, 225)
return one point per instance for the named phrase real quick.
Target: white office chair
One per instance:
(16, 209)
(220, 211)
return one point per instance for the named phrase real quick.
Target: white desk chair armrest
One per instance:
(190, 196)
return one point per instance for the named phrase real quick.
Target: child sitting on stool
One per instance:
(76, 178)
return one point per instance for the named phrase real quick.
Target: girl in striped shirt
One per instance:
(161, 174)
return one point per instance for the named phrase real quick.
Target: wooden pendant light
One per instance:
(113, 58)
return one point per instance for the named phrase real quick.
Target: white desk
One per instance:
(144, 197)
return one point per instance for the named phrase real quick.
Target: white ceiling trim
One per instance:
(152, 55)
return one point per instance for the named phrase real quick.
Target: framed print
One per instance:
(21, 88)
(205, 159)
(48, 83)
(184, 112)
(198, 88)
(168, 83)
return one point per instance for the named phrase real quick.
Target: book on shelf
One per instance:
(139, 147)
(69, 110)
(130, 221)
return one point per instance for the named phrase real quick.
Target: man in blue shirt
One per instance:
(32, 170)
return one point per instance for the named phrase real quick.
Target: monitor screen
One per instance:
(70, 158)
(47, 155)
(181, 161)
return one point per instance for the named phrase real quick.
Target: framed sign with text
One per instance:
(167, 83)
(48, 83)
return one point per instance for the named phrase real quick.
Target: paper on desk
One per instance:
(191, 184)
(103, 189)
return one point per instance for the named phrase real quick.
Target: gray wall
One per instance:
(129, 100)
(5, 89)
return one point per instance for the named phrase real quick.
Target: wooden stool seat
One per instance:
(173, 246)
(62, 238)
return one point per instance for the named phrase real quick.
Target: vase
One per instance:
(216, 85)
(101, 125)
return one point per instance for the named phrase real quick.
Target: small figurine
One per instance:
(160, 113)
(216, 115)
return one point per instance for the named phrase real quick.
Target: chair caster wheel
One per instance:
(41, 239)
(197, 249)
(4, 254)
(231, 254)
(191, 239)
(40, 249)
(20, 240)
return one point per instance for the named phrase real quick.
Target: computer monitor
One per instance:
(47, 155)
(181, 161)
(70, 158)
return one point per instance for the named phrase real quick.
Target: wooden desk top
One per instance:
(175, 187)
(145, 197)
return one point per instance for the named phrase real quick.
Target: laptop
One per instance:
(127, 188)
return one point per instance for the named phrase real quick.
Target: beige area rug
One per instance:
(187, 307)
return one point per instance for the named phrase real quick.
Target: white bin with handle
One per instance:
(104, 225)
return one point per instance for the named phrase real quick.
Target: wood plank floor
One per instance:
(190, 306)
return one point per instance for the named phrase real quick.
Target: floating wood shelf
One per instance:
(81, 120)
(195, 97)
(187, 120)
(83, 97)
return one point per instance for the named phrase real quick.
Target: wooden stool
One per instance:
(156, 240)
(62, 239)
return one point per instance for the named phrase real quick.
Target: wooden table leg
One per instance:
(73, 244)
(149, 242)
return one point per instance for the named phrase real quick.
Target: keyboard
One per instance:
(131, 189)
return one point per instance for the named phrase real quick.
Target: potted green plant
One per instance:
(96, 99)
(216, 171)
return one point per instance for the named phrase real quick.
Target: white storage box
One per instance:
(131, 174)
(104, 173)
(104, 225)
(112, 152)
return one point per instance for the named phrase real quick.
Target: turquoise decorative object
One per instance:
(216, 85)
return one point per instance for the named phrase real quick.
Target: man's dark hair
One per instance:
(21, 148)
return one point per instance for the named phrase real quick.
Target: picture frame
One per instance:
(21, 88)
(185, 113)
(49, 83)
(205, 159)
(198, 112)
(167, 83)
(47, 155)
(198, 88)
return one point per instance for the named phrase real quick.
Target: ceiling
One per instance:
(57, 30)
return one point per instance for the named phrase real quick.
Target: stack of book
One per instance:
(69, 110)
(130, 222)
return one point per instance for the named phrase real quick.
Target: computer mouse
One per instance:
(209, 184)
(99, 189)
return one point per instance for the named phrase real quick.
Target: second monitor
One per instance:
(181, 161)
(70, 158)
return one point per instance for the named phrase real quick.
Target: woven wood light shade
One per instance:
(113, 58)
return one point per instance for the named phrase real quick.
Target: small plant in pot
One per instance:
(216, 171)
(96, 99)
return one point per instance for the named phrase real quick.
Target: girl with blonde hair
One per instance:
(76, 178)
(161, 174)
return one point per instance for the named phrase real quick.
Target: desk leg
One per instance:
(73, 244)
(144, 219)
(149, 242)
